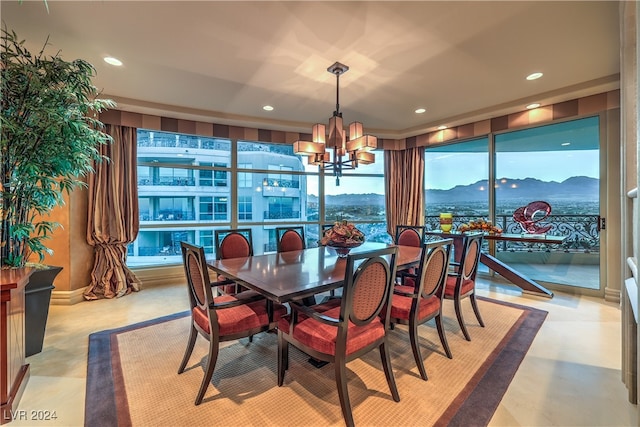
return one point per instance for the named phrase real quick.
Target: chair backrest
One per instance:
(290, 238)
(409, 235)
(433, 267)
(236, 243)
(367, 290)
(470, 256)
(195, 269)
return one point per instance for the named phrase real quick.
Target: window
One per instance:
(220, 177)
(359, 198)
(206, 176)
(281, 208)
(244, 179)
(447, 190)
(191, 182)
(220, 211)
(213, 208)
(245, 208)
(206, 208)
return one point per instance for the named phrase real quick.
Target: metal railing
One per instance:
(582, 231)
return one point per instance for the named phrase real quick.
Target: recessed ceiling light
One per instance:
(420, 110)
(267, 108)
(564, 144)
(113, 61)
(442, 127)
(532, 106)
(534, 76)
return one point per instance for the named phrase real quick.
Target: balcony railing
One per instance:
(285, 183)
(175, 215)
(190, 182)
(284, 214)
(582, 231)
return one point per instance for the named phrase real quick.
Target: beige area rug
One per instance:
(132, 376)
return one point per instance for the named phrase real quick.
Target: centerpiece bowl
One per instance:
(342, 249)
(342, 237)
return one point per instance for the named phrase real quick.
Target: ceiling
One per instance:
(222, 61)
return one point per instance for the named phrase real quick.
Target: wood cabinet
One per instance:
(14, 372)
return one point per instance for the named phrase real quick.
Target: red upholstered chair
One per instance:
(290, 238)
(461, 283)
(408, 235)
(236, 243)
(415, 305)
(344, 329)
(222, 318)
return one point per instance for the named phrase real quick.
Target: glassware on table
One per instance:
(446, 221)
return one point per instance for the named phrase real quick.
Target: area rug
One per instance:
(132, 376)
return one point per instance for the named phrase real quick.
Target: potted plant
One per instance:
(50, 141)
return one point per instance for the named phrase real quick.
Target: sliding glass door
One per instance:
(556, 164)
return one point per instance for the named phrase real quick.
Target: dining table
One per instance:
(295, 275)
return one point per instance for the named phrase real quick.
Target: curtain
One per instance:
(404, 171)
(113, 216)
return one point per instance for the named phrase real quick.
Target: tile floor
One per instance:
(570, 376)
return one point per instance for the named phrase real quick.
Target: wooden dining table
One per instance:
(295, 275)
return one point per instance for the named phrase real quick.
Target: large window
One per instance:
(188, 187)
(457, 180)
(358, 197)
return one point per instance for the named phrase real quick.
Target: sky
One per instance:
(446, 170)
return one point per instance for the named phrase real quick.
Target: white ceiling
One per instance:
(222, 61)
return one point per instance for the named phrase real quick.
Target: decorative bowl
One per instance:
(343, 249)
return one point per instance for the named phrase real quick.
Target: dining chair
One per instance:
(290, 238)
(232, 243)
(422, 301)
(461, 280)
(222, 318)
(408, 235)
(345, 329)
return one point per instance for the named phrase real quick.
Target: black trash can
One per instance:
(37, 297)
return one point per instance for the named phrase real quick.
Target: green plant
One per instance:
(50, 141)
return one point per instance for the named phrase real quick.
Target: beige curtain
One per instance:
(404, 172)
(113, 216)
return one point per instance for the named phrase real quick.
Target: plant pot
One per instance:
(37, 296)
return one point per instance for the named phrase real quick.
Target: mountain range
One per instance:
(577, 188)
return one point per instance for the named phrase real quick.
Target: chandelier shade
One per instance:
(348, 153)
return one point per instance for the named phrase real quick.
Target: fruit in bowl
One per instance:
(480, 224)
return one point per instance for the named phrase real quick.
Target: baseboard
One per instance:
(612, 295)
(67, 297)
(158, 276)
(150, 277)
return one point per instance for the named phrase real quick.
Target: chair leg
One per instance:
(343, 393)
(443, 337)
(474, 304)
(388, 372)
(193, 334)
(283, 358)
(208, 374)
(415, 346)
(456, 303)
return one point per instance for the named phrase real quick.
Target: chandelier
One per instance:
(347, 153)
